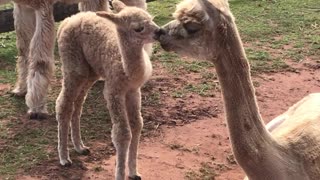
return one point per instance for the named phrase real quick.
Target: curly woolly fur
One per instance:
(108, 46)
(288, 148)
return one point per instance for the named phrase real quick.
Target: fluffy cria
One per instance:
(108, 46)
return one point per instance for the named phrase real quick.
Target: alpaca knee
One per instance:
(121, 136)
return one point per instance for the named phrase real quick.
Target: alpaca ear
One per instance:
(118, 5)
(110, 16)
(221, 5)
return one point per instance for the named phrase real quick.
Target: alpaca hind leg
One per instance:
(121, 135)
(64, 110)
(94, 5)
(41, 63)
(133, 104)
(24, 23)
(75, 122)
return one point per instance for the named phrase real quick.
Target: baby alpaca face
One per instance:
(135, 22)
(139, 24)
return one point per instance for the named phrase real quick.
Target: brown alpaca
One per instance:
(34, 26)
(110, 46)
(206, 29)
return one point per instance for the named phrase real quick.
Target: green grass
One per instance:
(274, 33)
(274, 24)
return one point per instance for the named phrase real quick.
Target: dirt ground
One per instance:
(190, 139)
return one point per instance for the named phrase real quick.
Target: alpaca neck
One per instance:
(251, 142)
(132, 54)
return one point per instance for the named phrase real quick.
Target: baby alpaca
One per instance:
(109, 46)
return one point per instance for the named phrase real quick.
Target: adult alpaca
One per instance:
(35, 31)
(121, 60)
(206, 29)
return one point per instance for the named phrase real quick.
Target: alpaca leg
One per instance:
(94, 5)
(75, 123)
(64, 110)
(41, 63)
(121, 135)
(133, 104)
(24, 22)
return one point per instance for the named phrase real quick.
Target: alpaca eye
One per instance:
(192, 27)
(139, 29)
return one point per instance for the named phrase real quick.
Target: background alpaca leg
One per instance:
(121, 135)
(24, 22)
(41, 63)
(94, 5)
(75, 123)
(133, 103)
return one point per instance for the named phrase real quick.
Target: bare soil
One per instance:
(184, 133)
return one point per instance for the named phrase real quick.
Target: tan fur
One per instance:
(92, 47)
(206, 29)
(34, 26)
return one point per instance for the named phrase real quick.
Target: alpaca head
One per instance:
(196, 25)
(135, 22)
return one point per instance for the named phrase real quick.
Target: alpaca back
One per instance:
(94, 37)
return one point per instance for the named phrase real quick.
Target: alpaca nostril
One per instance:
(161, 32)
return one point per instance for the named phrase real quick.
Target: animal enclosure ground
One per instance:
(185, 135)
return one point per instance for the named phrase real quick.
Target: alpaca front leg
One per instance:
(24, 23)
(121, 135)
(41, 63)
(75, 123)
(133, 104)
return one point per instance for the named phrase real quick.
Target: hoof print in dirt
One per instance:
(135, 177)
(37, 116)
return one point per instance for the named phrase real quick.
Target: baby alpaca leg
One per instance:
(121, 135)
(64, 110)
(133, 104)
(75, 123)
(24, 23)
(94, 5)
(41, 62)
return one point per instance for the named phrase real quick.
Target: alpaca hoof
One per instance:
(135, 177)
(16, 93)
(85, 152)
(37, 116)
(66, 163)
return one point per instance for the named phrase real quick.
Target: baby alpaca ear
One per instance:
(110, 16)
(118, 5)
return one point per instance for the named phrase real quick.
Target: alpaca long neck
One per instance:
(132, 54)
(249, 137)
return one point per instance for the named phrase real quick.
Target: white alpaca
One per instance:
(109, 46)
